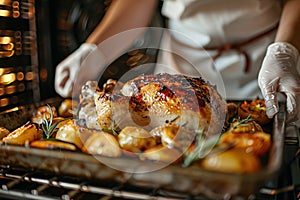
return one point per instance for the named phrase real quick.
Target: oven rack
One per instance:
(18, 183)
(24, 184)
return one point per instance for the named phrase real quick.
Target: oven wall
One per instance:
(19, 71)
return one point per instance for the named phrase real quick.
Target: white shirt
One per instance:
(195, 24)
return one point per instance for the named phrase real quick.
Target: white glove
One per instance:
(279, 74)
(67, 70)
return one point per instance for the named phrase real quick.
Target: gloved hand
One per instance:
(67, 70)
(279, 74)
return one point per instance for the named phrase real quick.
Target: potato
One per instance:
(50, 144)
(43, 112)
(257, 143)
(3, 132)
(245, 127)
(66, 107)
(173, 136)
(162, 154)
(256, 109)
(249, 136)
(234, 160)
(22, 135)
(104, 144)
(69, 132)
(135, 139)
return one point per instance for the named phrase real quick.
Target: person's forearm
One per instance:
(123, 15)
(289, 27)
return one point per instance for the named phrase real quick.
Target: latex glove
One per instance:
(279, 74)
(67, 70)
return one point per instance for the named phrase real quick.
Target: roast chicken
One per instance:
(155, 100)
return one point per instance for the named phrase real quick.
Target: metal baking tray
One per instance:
(173, 178)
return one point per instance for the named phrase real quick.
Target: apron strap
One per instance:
(238, 47)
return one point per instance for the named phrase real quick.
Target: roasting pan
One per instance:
(173, 178)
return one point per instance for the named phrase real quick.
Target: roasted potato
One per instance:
(104, 144)
(256, 109)
(52, 144)
(240, 126)
(135, 139)
(66, 107)
(22, 135)
(69, 132)
(234, 160)
(248, 135)
(173, 136)
(257, 143)
(43, 112)
(3, 132)
(161, 154)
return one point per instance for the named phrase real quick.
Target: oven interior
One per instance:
(36, 35)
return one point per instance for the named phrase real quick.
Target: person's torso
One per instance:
(217, 22)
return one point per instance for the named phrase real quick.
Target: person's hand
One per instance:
(67, 70)
(279, 74)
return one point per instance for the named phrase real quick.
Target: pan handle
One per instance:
(279, 127)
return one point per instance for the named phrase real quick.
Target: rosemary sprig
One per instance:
(48, 126)
(111, 130)
(242, 121)
(203, 146)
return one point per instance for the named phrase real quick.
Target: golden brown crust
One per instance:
(248, 136)
(257, 143)
(232, 161)
(135, 139)
(66, 108)
(186, 89)
(22, 135)
(69, 132)
(256, 109)
(176, 99)
(161, 154)
(102, 143)
(3, 132)
(43, 112)
(50, 144)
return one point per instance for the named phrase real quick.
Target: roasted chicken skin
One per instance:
(188, 102)
(107, 98)
(150, 101)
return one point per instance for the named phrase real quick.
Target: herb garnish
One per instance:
(48, 126)
(202, 147)
(242, 121)
(111, 130)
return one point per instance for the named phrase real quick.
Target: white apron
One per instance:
(215, 23)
